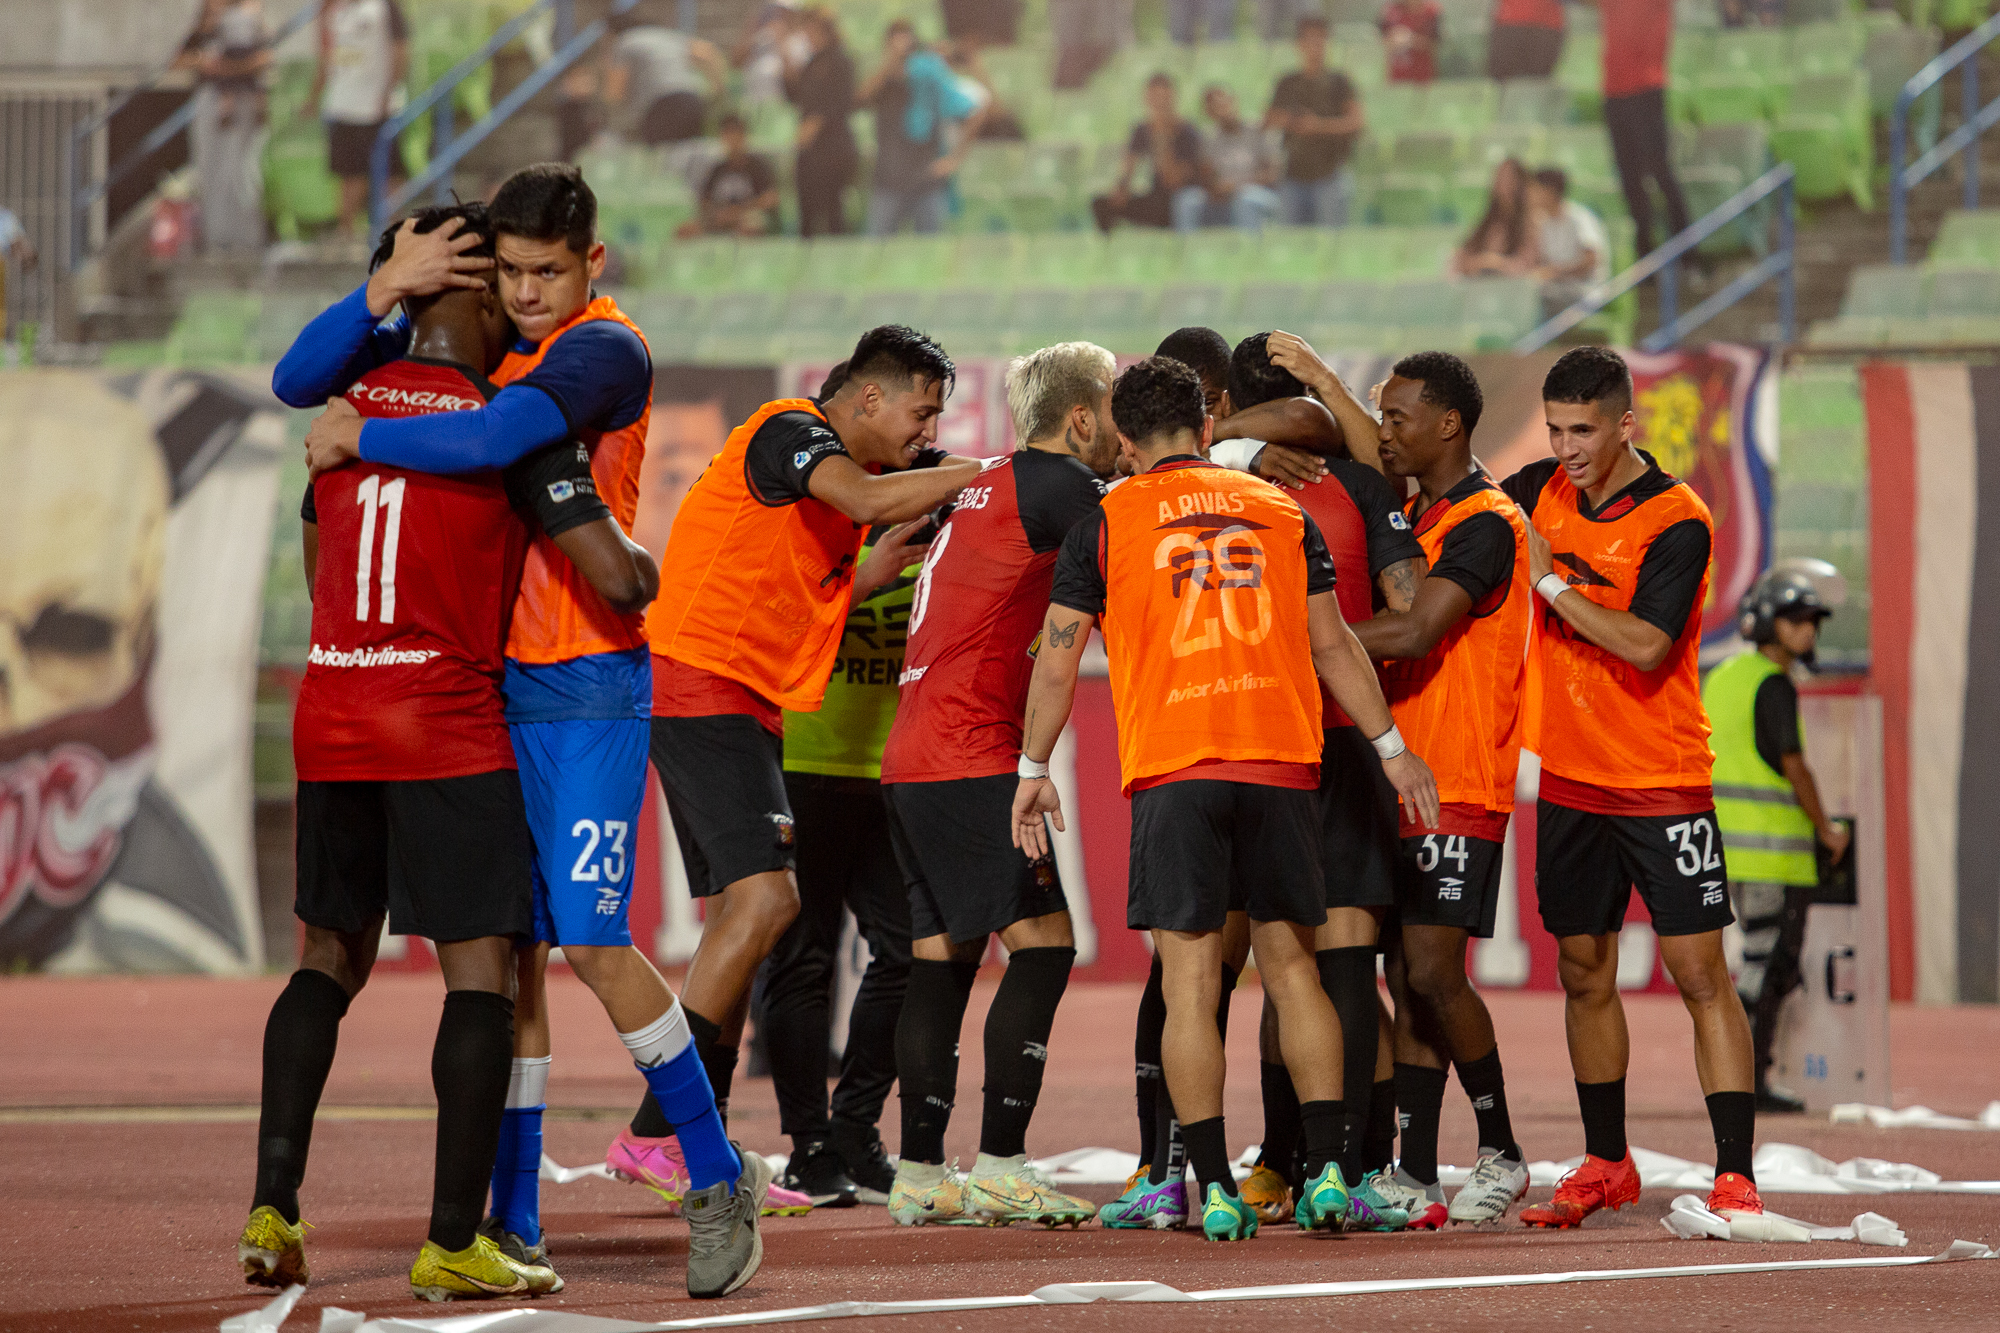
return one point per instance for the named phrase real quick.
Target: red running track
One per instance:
(124, 1213)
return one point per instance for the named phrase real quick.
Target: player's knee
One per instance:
(1588, 975)
(1437, 979)
(1701, 975)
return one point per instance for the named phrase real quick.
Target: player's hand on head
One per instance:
(899, 548)
(1288, 467)
(1290, 352)
(426, 263)
(335, 438)
(1034, 798)
(1541, 559)
(1411, 777)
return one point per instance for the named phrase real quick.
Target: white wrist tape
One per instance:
(1030, 769)
(1550, 587)
(1389, 744)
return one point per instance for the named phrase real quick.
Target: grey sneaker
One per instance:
(1496, 1184)
(725, 1248)
(1423, 1203)
(543, 1280)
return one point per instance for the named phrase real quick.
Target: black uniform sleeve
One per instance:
(1777, 727)
(1478, 555)
(783, 455)
(1319, 561)
(555, 485)
(1053, 494)
(1390, 537)
(309, 507)
(1670, 577)
(1525, 486)
(1079, 581)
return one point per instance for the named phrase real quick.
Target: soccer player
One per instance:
(833, 772)
(578, 686)
(948, 772)
(1456, 659)
(764, 569)
(1376, 558)
(1199, 576)
(1618, 551)
(408, 803)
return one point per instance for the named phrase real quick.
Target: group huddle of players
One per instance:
(1322, 688)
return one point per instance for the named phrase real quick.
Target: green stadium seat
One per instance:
(1207, 304)
(1396, 107)
(1079, 258)
(1718, 96)
(913, 261)
(889, 305)
(1430, 302)
(1584, 151)
(1496, 143)
(1406, 199)
(1041, 315)
(1373, 253)
(1820, 397)
(1293, 254)
(1499, 310)
(1425, 252)
(215, 328)
(1132, 254)
(1351, 302)
(1276, 305)
(702, 264)
(1218, 254)
(1534, 102)
(1743, 145)
(1965, 294)
(1817, 146)
(1750, 49)
(770, 264)
(1969, 238)
(1891, 56)
(1463, 105)
(844, 261)
(1126, 306)
(990, 260)
(1827, 48)
(1436, 151)
(1887, 291)
(282, 316)
(968, 310)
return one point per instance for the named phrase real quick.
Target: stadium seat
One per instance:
(1964, 294)
(1408, 199)
(742, 327)
(1037, 316)
(1818, 148)
(1718, 96)
(1208, 304)
(1969, 238)
(1218, 254)
(1462, 105)
(1535, 102)
(1584, 151)
(889, 305)
(1498, 311)
(1425, 252)
(1352, 303)
(842, 261)
(1275, 305)
(1887, 291)
(282, 315)
(1374, 253)
(1827, 48)
(215, 328)
(1437, 152)
(771, 264)
(986, 261)
(702, 264)
(914, 261)
(1132, 254)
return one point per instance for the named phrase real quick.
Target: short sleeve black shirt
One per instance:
(1777, 720)
(1053, 493)
(784, 453)
(1311, 157)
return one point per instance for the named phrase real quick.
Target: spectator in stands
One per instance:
(770, 43)
(823, 91)
(1321, 118)
(1637, 34)
(1238, 172)
(1186, 19)
(1743, 13)
(1526, 39)
(1087, 33)
(919, 104)
(1411, 30)
(1000, 120)
(14, 245)
(658, 80)
(364, 56)
(740, 193)
(1279, 19)
(1572, 249)
(229, 48)
(1501, 245)
(994, 21)
(1171, 147)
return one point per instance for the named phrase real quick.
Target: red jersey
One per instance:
(1360, 516)
(415, 580)
(1528, 14)
(1637, 34)
(976, 618)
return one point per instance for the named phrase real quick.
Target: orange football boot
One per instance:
(1594, 1185)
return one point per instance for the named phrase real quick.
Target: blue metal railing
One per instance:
(448, 147)
(83, 195)
(1664, 263)
(1963, 56)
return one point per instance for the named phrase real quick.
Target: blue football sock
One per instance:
(517, 1188)
(681, 1087)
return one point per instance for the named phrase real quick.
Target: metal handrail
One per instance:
(83, 197)
(1664, 263)
(1963, 55)
(450, 149)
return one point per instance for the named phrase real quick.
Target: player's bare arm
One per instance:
(1349, 674)
(1438, 605)
(1835, 836)
(892, 497)
(1357, 423)
(1051, 693)
(426, 263)
(621, 571)
(1620, 633)
(1400, 581)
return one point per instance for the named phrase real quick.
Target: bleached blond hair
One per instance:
(1043, 386)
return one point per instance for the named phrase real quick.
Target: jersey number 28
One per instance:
(374, 498)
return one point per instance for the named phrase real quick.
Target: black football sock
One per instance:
(1319, 1125)
(299, 1040)
(1347, 975)
(1208, 1152)
(649, 1121)
(927, 1053)
(717, 1060)
(1733, 1116)
(1148, 1077)
(1281, 1121)
(1222, 1005)
(1018, 1024)
(471, 1064)
(1603, 1107)
(1378, 1140)
(1487, 1087)
(1419, 1103)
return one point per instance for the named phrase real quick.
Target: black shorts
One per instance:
(966, 877)
(1447, 879)
(725, 782)
(1358, 822)
(447, 858)
(1586, 866)
(350, 149)
(1202, 848)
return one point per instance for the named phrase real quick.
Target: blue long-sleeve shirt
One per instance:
(341, 345)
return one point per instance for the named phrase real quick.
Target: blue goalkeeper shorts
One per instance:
(584, 783)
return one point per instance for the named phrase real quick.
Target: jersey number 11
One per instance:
(374, 497)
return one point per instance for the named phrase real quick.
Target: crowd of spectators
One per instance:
(1532, 228)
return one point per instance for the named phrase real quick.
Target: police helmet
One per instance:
(1791, 590)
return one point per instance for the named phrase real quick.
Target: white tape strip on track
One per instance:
(528, 1320)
